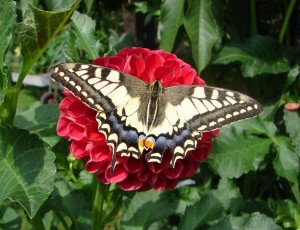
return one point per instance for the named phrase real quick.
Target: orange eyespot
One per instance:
(148, 144)
(141, 143)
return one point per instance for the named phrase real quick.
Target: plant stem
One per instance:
(286, 20)
(98, 202)
(253, 29)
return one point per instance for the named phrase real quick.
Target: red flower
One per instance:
(77, 122)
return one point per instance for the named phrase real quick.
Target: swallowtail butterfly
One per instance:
(135, 116)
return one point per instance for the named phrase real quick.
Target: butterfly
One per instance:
(136, 116)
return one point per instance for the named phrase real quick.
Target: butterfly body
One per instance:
(135, 116)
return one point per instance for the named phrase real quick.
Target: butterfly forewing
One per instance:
(102, 89)
(208, 108)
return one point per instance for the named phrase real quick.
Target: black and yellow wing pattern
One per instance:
(135, 116)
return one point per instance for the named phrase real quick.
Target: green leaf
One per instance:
(292, 123)
(287, 161)
(258, 55)
(9, 218)
(40, 120)
(146, 208)
(226, 191)
(84, 28)
(202, 31)
(37, 31)
(253, 221)
(7, 20)
(27, 169)
(207, 209)
(234, 152)
(171, 20)
(257, 126)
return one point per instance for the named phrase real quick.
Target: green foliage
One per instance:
(249, 181)
(27, 169)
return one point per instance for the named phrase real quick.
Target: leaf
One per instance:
(253, 221)
(171, 20)
(226, 191)
(258, 55)
(40, 120)
(84, 28)
(234, 152)
(7, 20)
(146, 208)
(292, 123)
(287, 161)
(9, 218)
(27, 169)
(202, 31)
(207, 209)
(37, 31)
(257, 126)
(8, 17)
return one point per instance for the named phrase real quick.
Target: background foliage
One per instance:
(251, 178)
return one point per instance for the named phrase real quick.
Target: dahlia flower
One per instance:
(77, 122)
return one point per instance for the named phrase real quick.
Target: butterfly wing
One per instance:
(190, 110)
(117, 97)
(101, 88)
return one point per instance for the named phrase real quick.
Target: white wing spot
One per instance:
(61, 74)
(231, 94)
(81, 72)
(98, 107)
(171, 114)
(242, 102)
(249, 108)
(178, 149)
(84, 93)
(84, 77)
(93, 80)
(109, 88)
(72, 83)
(98, 72)
(208, 105)
(67, 78)
(255, 106)
(121, 147)
(199, 106)
(228, 116)
(91, 100)
(154, 160)
(215, 94)
(113, 137)
(78, 87)
(84, 66)
(212, 123)
(242, 111)
(235, 113)
(118, 94)
(199, 92)
(100, 85)
(217, 104)
(113, 76)
(189, 107)
(221, 119)
(226, 103)
(55, 70)
(231, 100)
(202, 127)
